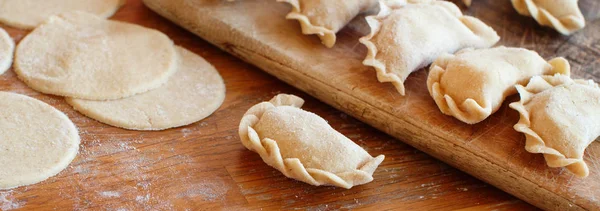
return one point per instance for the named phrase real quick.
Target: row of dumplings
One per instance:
(473, 83)
(327, 17)
(468, 79)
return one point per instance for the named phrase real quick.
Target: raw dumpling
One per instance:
(562, 15)
(303, 146)
(472, 84)
(560, 117)
(407, 37)
(326, 17)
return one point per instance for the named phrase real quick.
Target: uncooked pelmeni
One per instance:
(472, 84)
(27, 14)
(408, 36)
(562, 15)
(84, 56)
(303, 146)
(36, 140)
(560, 118)
(194, 92)
(326, 17)
(7, 47)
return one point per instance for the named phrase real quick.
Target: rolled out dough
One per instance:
(36, 141)
(7, 47)
(27, 14)
(194, 92)
(84, 56)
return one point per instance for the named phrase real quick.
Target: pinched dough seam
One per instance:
(470, 109)
(375, 22)
(268, 150)
(327, 36)
(534, 143)
(565, 25)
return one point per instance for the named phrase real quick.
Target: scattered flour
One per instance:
(110, 194)
(214, 190)
(7, 201)
(142, 199)
(186, 132)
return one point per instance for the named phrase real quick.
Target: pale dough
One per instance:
(472, 84)
(36, 141)
(303, 146)
(7, 47)
(562, 15)
(326, 17)
(194, 92)
(560, 118)
(27, 14)
(83, 56)
(406, 37)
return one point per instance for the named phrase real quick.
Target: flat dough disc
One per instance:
(83, 56)
(27, 14)
(7, 47)
(36, 140)
(194, 92)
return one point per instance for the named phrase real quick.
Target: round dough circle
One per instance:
(27, 14)
(36, 140)
(7, 47)
(194, 92)
(83, 56)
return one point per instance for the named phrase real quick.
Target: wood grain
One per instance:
(203, 166)
(492, 151)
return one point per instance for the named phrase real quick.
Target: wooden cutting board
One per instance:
(256, 31)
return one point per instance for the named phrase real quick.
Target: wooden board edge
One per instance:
(440, 148)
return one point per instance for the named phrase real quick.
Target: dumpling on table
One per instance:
(302, 146)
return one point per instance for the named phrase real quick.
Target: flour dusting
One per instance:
(110, 194)
(8, 202)
(214, 190)
(142, 199)
(186, 132)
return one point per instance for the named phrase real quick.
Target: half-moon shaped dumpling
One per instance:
(326, 17)
(562, 15)
(472, 84)
(303, 146)
(407, 37)
(560, 118)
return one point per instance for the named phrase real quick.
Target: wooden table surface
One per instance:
(204, 166)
